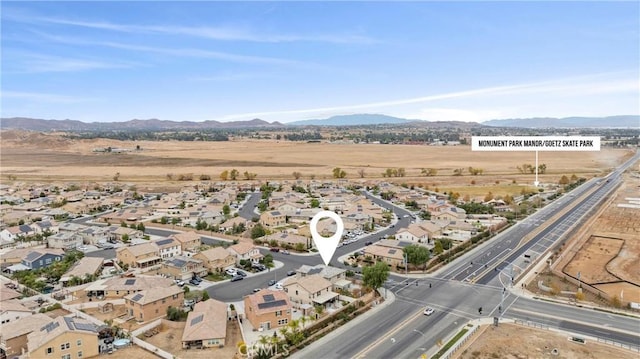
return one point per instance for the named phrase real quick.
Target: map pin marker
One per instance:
(326, 245)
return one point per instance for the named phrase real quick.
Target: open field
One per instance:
(592, 259)
(499, 342)
(50, 157)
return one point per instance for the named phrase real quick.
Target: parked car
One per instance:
(237, 278)
(231, 271)
(273, 249)
(428, 311)
(198, 279)
(194, 282)
(278, 286)
(271, 282)
(284, 251)
(368, 243)
(179, 282)
(290, 273)
(256, 290)
(241, 273)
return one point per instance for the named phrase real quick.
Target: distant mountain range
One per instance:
(342, 120)
(353, 120)
(152, 124)
(569, 122)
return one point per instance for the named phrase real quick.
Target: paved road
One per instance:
(400, 331)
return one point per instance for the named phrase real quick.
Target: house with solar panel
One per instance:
(267, 309)
(40, 258)
(153, 303)
(206, 325)
(64, 337)
(183, 268)
(216, 259)
(168, 248)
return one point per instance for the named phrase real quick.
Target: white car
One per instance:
(278, 286)
(231, 272)
(428, 311)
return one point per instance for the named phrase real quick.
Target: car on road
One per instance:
(368, 243)
(256, 290)
(273, 249)
(271, 282)
(284, 251)
(290, 273)
(428, 311)
(239, 272)
(405, 216)
(237, 278)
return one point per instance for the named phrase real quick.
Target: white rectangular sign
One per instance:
(535, 143)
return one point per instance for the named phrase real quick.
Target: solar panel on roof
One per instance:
(392, 251)
(85, 326)
(197, 319)
(272, 304)
(137, 297)
(268, 297)
(51, 326)
(130, 282)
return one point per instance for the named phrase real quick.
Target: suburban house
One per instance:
(39, 258)
(273, 219)
(85, 267)
(118, 287)
(229, 224)
(13, 343)
(206, 325)
(309, 291)
(183, 268)
(141, 255)
(216, 259)
(187, 240)
(16, 232)
(267, 309)
(450, 214)
(168, 248)
(414, 233)
(12, 310)
(387, 252)
(64, 337)
(13, 256)
(42, 227)
(153, 303)
(337, 276)
(65, 240)
(125, 232)
(288, 240)
(245, 251)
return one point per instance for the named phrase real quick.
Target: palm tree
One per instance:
(304, 320)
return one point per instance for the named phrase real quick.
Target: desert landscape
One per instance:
(30, 156)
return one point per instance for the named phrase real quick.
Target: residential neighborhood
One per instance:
(144, 257)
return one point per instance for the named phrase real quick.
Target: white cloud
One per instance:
(44, 97)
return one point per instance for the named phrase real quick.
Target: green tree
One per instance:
(437, 249)
(315, 203)
(224, 175)
(339, 173)
(205, 295)
(233, 175)
(258, 231)
(140, 227)
(374, 276)
(416, 255)
(226, 210)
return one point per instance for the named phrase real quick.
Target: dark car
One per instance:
(194, 282)
(241, 273)
(237, 278)
(275, 249)
(271, 282)
(368, 243)
(290, 273)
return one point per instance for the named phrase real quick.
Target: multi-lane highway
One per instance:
(400, 330)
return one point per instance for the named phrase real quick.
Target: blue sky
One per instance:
(286, 61)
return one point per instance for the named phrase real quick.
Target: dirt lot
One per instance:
(49, 157)
(595, 254)
(499, 342)
(132, 352)
(612, 251)
(170, 335)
